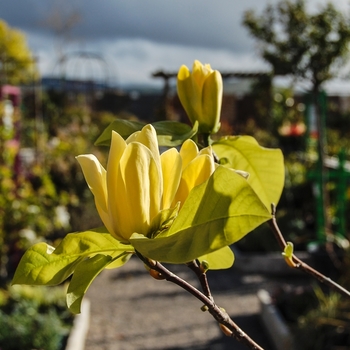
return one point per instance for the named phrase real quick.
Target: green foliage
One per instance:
(298, 43)
(264, 166)
(326, 325)
(219, 259)
(28, 202)
(43, 264)
(84, 253)
(33, 318)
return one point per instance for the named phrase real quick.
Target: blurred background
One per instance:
(69, 69)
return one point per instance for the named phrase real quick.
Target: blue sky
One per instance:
(138, 37)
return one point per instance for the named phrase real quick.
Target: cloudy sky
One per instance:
(138, 37)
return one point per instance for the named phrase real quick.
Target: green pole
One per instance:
(341, 194)
(319, 176)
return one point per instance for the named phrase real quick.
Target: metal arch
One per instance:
(63, 62)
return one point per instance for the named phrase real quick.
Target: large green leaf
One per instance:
(220, 259)
(265, 166)
(45, 265)
(169, 133)
(216, 214)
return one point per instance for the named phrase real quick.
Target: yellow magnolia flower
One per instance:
(139, 182)
(200, 93)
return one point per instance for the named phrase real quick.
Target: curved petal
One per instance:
(197, 172)
(95, 176)
(132, 137)
(138, 182)
(185, 92)
(171, 171)
(207, 150)
(200, 72)
(188, 152)
(212, 100)
(148, 137)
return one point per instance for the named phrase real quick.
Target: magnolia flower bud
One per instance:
(200, 93)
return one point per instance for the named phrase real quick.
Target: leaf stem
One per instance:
(299, 264)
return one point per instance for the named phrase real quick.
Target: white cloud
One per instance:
(138, 37)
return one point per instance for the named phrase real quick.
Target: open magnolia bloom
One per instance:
(140, 184)
(172, 207)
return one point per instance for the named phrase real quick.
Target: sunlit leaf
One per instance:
(220, 259)
(288, 250)
(83, 276)
(216, 214)
(119, 261)
(288, 254)
(265, 166)
(86, 272)
(44, 265)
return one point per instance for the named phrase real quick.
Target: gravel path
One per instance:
(132, 311)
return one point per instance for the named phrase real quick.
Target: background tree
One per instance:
(61, 21)
(17, 64)
(310, 46)
(295, 42)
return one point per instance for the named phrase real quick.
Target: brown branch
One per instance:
(299, 264)
(229, 327)
(202, 277)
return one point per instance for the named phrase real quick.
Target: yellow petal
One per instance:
(95, 176)
(171, 170)
(138, 182)
(107, 222)
(183, 73)
(188, 152)
(185, 92)
(200, 72)
(133, 137)
(197, 172)
(211, 102)
(207, 150)
(148, 137)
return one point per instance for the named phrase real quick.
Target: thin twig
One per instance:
(299, 264)
(229, 327)
(202, 277)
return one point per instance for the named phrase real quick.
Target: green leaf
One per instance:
(83, 276)
(123, 127)
(288, 250)
(45, 265)
(265, 166)
(220, 259)
(39, 267)
(216, 214)
(119, 261)
(169, 133)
